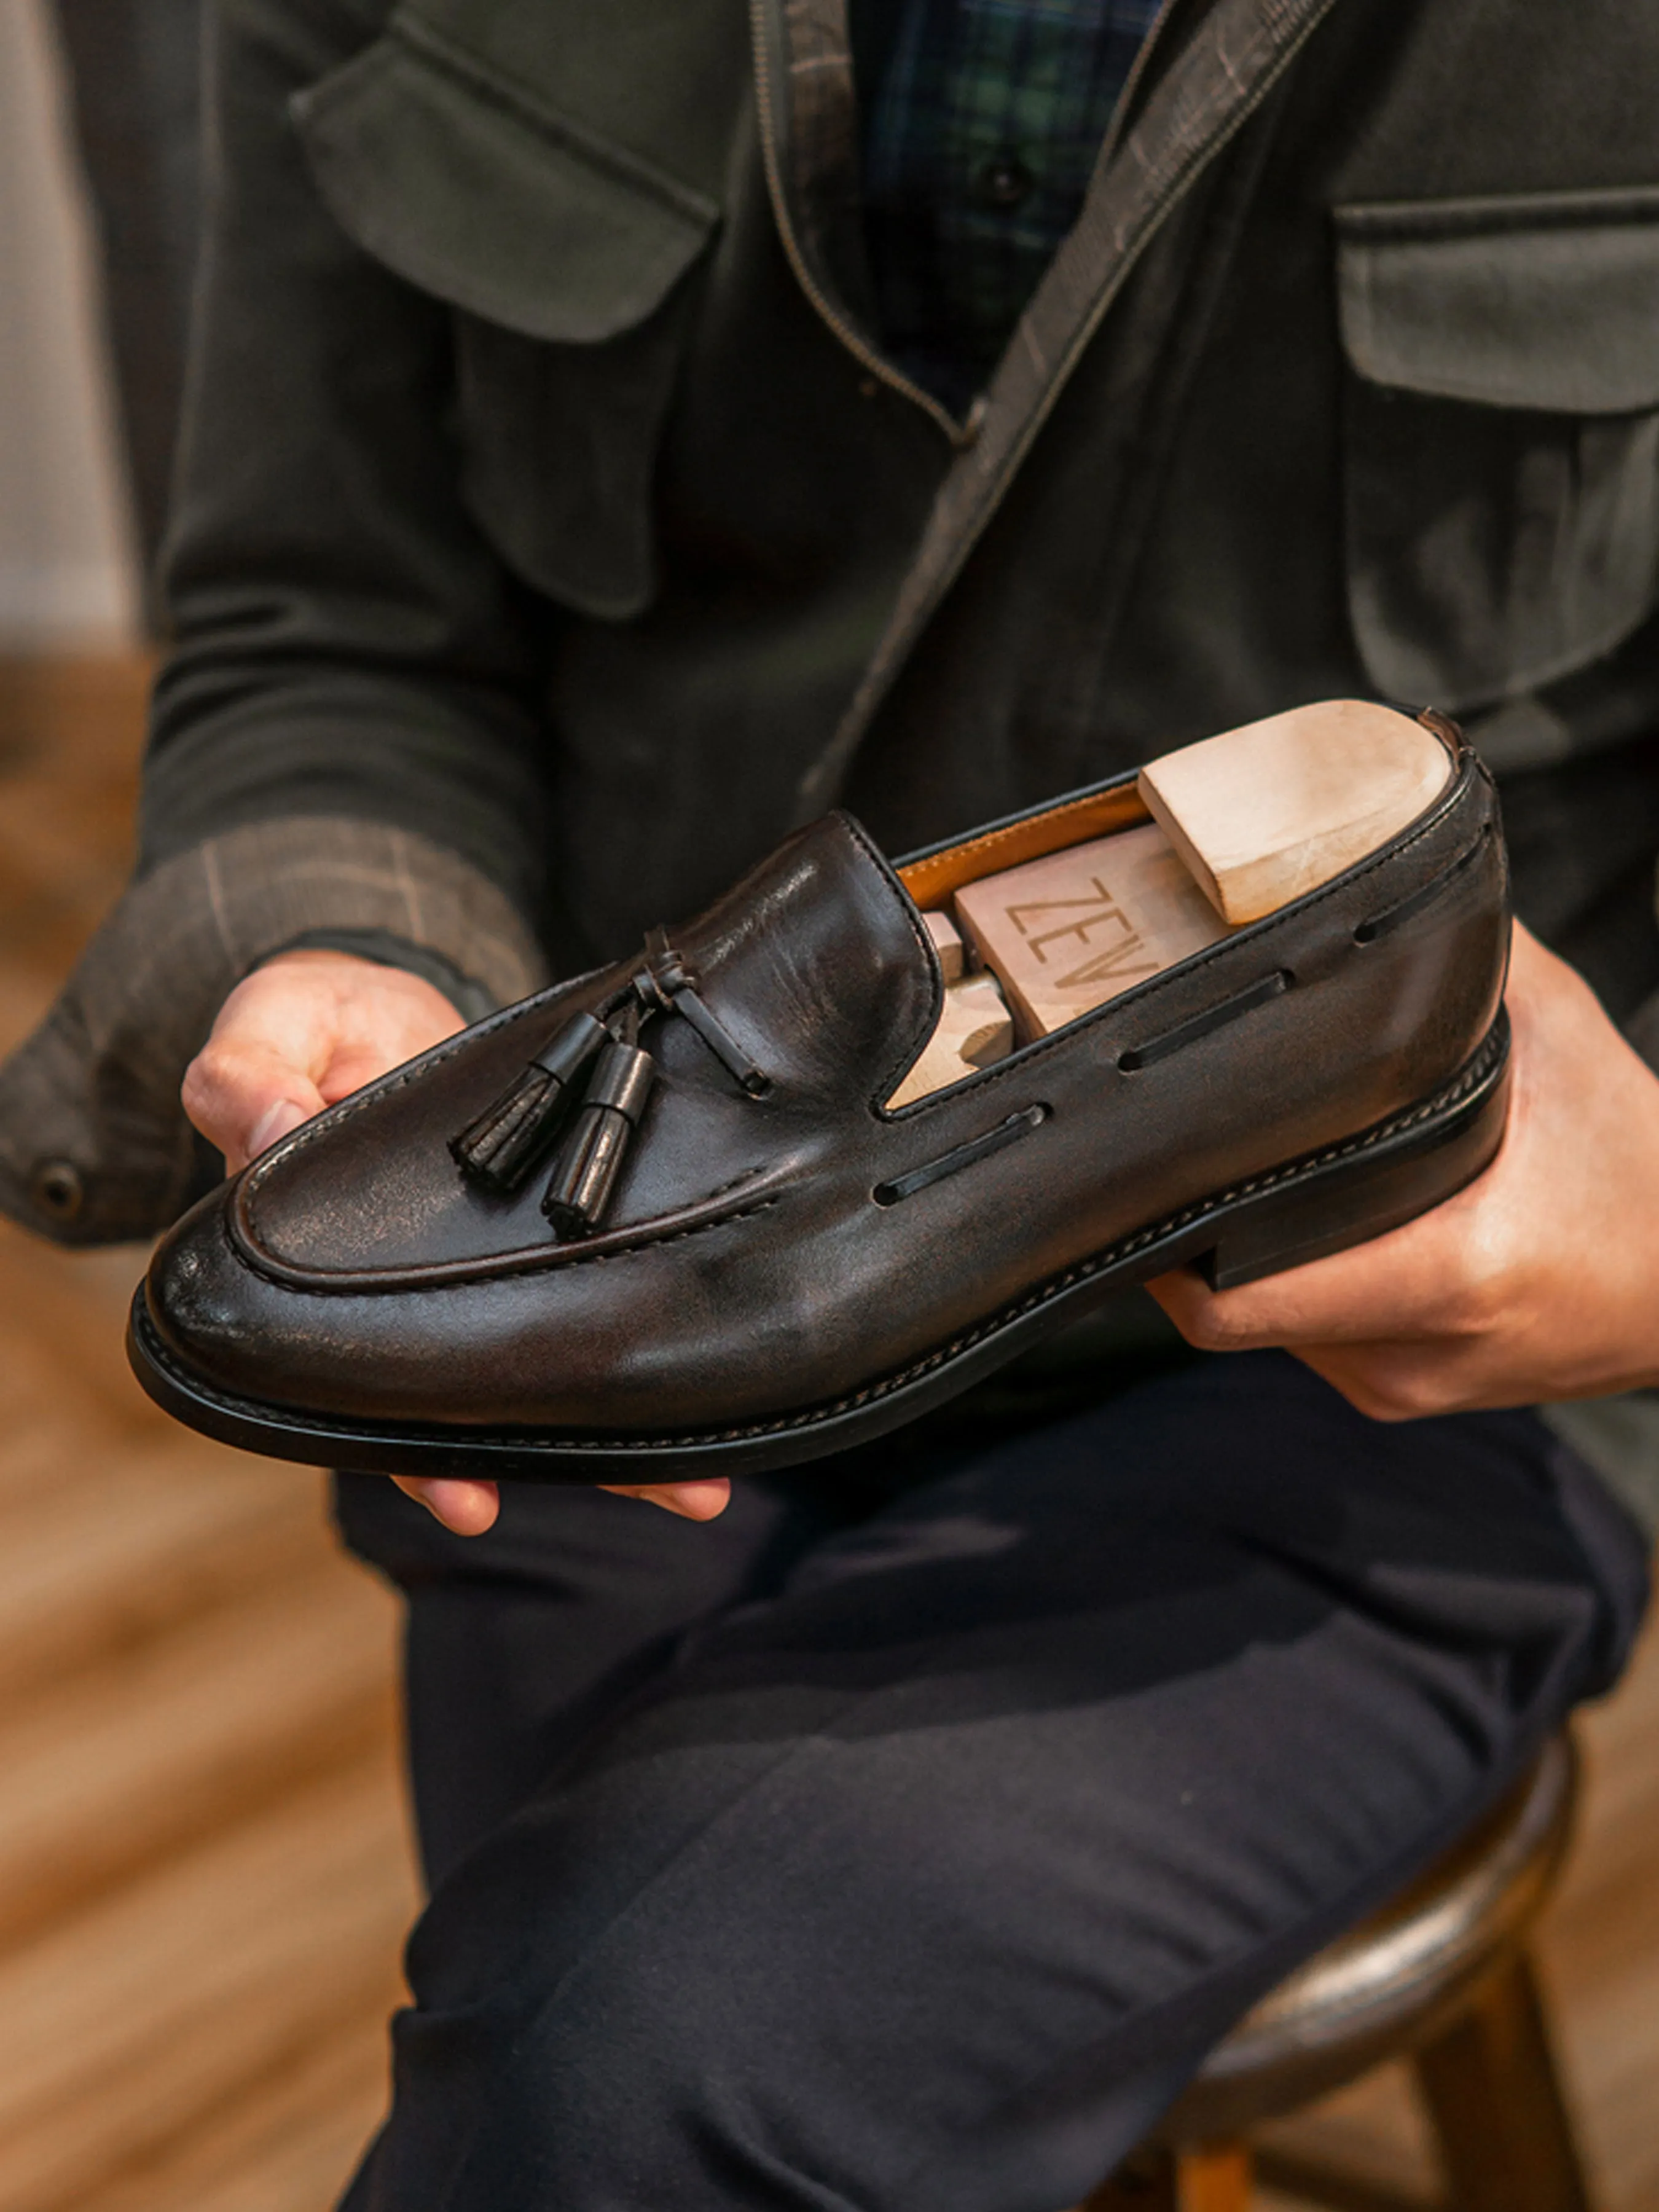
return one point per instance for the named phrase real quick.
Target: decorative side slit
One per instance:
(1175, 1040)
(961, 1155)
(1407, 909)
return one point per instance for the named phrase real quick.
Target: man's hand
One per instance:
(1538, 1281)
(303, 1031)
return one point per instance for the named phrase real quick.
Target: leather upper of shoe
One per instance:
(818, 965)
(754, 1262)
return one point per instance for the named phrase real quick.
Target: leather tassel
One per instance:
(592, 1154)
(668, 983)
(501, 1146)
(720, 1041)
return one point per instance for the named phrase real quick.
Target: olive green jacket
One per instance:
(551, 533)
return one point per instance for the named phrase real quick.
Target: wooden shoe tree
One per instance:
(1064, 918)
(1064, 933)
(975, 1028)
(1263, 814)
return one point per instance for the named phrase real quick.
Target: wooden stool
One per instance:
(1441, 1976)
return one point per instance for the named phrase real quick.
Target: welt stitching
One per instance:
(1349, 1148)
(1493, 1049)
(1473, 1077)
(558, 1262)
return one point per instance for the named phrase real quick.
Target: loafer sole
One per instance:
(1342, 1195)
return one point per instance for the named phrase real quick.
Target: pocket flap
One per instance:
(1549, 302)
(475, 189)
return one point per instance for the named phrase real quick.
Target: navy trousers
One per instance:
(901, 1841)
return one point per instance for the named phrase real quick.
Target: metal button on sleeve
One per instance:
(56, 1188)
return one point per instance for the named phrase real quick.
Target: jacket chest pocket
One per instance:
(563, 255)
(1502, 436)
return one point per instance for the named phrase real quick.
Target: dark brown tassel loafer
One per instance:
(831, 1152)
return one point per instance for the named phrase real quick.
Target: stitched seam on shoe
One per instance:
(1145, 994)
(1493, 1048)
(988, 1078)
(324, 1124)
(557, 1260)
(1126, 1247)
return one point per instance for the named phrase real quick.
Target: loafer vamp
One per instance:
(817, 965)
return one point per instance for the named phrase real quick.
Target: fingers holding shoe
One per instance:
(689, 1501)
(1540, 1280)
(301, 1032)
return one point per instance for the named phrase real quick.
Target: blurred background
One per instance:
(68, 569)
(204, 1870)
(204, 1874)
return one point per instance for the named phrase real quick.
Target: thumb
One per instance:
(243, 1098)
(280, 1117)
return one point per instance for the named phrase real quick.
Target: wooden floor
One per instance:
(204, 1871)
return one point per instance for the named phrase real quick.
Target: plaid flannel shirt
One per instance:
(982, 125)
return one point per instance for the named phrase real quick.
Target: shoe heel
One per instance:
(1349, 1199)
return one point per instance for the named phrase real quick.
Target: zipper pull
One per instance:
(591, 1155)
(500, 1148)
